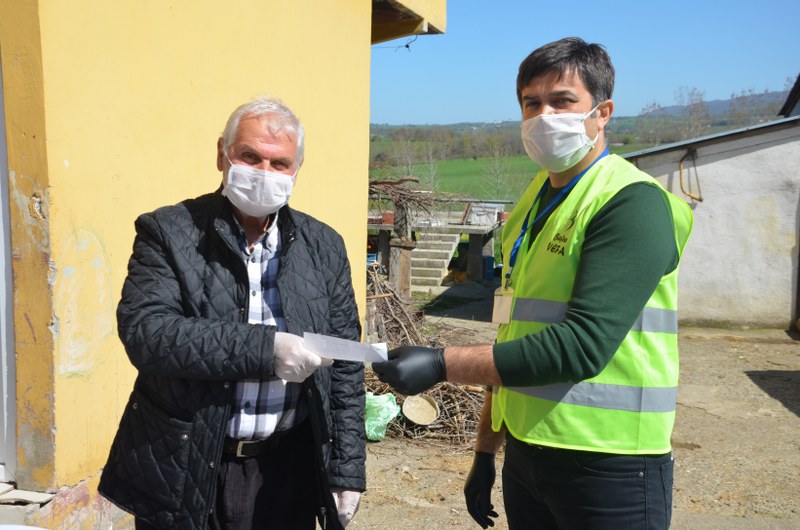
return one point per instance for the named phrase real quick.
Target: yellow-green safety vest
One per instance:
(629, 408)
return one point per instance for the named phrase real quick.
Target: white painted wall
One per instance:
(740, 267)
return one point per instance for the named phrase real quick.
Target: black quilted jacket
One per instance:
(183, 321)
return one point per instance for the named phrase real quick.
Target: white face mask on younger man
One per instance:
(557, 141)
(257, 192)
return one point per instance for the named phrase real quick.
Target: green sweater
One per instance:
(629, 246)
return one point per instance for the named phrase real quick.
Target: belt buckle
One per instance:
(239, 446)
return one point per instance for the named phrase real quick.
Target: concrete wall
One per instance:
(741, 264)
(113, 109)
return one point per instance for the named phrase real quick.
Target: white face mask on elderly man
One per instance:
(257, 192)
(557, 141)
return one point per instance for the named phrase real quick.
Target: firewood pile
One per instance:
(399, 194)
(459, 406)
(397, 323)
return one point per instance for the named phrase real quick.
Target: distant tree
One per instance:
(742, 111)
(496, 166)
(512, 141)
(442, 138)
(696, 119)
(501, 182)
(429, 168)
(404, 151)
(651, 126)
(469, 147)
(748, 108)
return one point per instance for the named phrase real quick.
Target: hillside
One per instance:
(765, 105)
(722, 107)
(391, 144)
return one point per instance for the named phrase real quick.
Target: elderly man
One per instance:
(585, 369)
(233, 423)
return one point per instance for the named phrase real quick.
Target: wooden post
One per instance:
(475, 257)
(488, 251)
(480, 246)
(370, 330)
(383, 248)
(400, 264)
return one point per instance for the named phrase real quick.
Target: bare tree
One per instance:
(405, 152)
(502, 182)
(652, 124)
(442, 137)
(741, 111)
(429, 177)
(696, 119)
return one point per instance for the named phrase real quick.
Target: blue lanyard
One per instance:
(561, 194)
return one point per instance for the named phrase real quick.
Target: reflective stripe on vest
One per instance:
(651, 319)
(605, 396)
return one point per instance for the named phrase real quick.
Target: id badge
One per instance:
(503, 300)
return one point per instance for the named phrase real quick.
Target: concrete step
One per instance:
(429, 234)
(429, 260)
(427, 263)
(417, 282)
(444, 236)
(435, 245)
(431, 254)
(426, 272)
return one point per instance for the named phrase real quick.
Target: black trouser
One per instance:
(547, 489)
(275, 490)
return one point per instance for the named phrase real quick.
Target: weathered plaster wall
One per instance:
(740, 267)
(33, 269)
(80, 507)
(114, 109)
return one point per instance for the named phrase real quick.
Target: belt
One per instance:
(248, 448)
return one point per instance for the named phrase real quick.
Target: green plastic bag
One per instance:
(379, 411)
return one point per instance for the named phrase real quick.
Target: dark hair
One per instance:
(571, 55)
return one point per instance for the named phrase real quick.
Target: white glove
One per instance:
(292, 361)
(347, 502)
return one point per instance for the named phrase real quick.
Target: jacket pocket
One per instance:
(152, 452)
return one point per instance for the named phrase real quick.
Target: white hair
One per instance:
(282, 120)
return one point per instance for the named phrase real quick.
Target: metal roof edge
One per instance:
(710, 138)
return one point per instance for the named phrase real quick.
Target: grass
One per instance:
(471, 177)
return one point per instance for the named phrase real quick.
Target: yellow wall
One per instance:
(30, 236)
(114, 109)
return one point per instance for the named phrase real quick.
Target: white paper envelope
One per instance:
(343, 349)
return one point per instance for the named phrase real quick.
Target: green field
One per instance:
(472, 178)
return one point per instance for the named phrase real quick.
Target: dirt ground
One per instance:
(736, 439)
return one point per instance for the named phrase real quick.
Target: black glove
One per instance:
(478, 489)
(412, 369)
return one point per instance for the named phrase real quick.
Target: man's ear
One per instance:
(604, 111)
(220, 154)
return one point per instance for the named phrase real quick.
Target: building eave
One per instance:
(394, 19)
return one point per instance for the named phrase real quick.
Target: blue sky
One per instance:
(468, 74)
